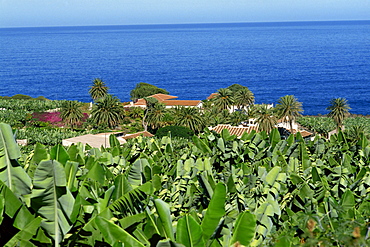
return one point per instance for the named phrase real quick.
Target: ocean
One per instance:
(314, 61)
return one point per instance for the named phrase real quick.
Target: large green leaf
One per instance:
(189, 232)
(136, 173)
(272, 176)
(11, 173)
(215, 210)
(114, 234)
(164, 214)
(52, 200)
(244, 229)
(274, 137)
(23, 236)
(40, 153)
(60, 154)
(201, 145)
(14, 208)
(71, 169)
(8, 140)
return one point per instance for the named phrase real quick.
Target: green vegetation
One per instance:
(98, 89)
(107, 111)
(175, 131)
(338, 111)
(207, 189)
(215, 190)
(288, 109)
(71, 113)
(224, 99)
(143, 90)
(266, 118)
(22, 96)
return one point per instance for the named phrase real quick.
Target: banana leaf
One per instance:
(164, 215)
(244, 229)
(52, 200)
(189, 232)
(11, 173)
(113, 234)
(215, 210)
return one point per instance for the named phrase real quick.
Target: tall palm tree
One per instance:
(224, 99)
(107, 111)
(190, 117)
(71, 113)
(98, 89)
(289, 109)
(266, 119)
(339, 110)
(244, 98)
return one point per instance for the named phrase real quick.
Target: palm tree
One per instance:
(289, 109)
(266, 119)
(224, 99)
(155, 116)
(237, 117)
(98, 89)
(107, 111)
(338, 111)
(244, 98)
(71, 113)
(190, 117)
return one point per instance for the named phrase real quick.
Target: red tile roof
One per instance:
(234, 130)
(182, 102)
(168, 100)
(162, 97)
(142, 133)
(212, 95)
(304, 133)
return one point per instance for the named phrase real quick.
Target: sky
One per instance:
(35, 13)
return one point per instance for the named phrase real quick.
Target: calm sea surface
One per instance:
(315, 61)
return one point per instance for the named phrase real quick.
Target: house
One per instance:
(102, 139)
(168, 100)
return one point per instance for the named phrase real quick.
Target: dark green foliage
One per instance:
(338, 108)
(22, 96)
(143, 90)
(175, 131)
(107, 111)
(71, 113)
(98, 89)
(236, 87)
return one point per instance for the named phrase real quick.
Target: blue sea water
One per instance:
(315, 61)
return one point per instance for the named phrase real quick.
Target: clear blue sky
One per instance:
(16, 13)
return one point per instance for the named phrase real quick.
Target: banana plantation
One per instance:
(214, 190)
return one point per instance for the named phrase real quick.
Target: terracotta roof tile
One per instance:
(212, 95)
(182, 102)
(142, 133)
(234, 130)
(304, 133)
(161, 97)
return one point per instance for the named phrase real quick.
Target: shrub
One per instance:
(175, 131)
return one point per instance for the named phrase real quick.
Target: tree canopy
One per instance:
(236, 87)
(338, 110)
(107, 111)
(98, 89)
(289, 109)
(143, 90)
(71, 113)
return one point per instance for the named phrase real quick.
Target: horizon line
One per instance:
(186, 23)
